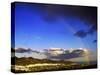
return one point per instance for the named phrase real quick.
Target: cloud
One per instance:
(86, 14)
(22, 50)
(81, 33)
(68, 55)
(92, 56)
(84, 33)
(94, 41)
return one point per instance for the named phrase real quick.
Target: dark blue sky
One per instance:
(40, 26)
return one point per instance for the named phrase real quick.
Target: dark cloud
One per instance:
(22, 50)
(81, 33)
(64, 56)
(94, 41)
(73, 54)
(85, 13)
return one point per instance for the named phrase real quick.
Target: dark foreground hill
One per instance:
(30, 60)
(29, 65)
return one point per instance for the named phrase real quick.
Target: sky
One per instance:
(41, 26)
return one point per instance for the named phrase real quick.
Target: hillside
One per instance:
(37, 65)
